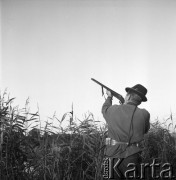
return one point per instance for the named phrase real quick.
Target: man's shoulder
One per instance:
(145, 112)
(115, 106)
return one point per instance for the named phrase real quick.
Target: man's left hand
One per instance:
(108, 93)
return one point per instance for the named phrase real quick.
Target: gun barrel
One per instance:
(115, 94)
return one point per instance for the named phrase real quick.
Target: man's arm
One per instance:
(147, 122)
(106, 105)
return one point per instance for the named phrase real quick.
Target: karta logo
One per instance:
(155, 170)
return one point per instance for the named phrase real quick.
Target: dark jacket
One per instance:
(118, 118)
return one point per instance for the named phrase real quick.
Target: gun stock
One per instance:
(115, 94)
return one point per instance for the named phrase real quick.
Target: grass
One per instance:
(70, 152)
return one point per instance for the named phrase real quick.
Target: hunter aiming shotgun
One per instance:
(115, 94)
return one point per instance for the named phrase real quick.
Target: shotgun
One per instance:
(115, 94)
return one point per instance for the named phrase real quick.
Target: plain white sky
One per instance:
(52, 48)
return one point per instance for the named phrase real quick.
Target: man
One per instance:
(127, 125)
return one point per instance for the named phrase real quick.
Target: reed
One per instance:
(71, 152)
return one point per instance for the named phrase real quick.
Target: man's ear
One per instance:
(129, 96)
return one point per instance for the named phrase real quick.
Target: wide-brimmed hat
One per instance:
(138, 89)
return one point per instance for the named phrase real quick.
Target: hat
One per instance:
(138, 89)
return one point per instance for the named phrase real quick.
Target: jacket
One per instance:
(118, 118)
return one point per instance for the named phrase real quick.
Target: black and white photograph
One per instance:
(87, 89)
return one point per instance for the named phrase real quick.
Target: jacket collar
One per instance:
(131, 103)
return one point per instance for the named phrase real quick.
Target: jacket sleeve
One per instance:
(105, 108)
(147, 122)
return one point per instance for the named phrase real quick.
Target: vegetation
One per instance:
(70, 152)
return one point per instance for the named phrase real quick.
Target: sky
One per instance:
(50, 50)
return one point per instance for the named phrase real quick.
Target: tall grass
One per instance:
(71, 152)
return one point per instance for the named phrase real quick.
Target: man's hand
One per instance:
(108, 93)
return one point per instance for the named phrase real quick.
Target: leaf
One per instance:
(19, 122)
(55, 127)
(17, 126)
(32, 119)
(58, 119)
(63, 117)
(10, 101)
(35, 114)
(20, 117)
(34, 126)
(51, 132)
(97, 121)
